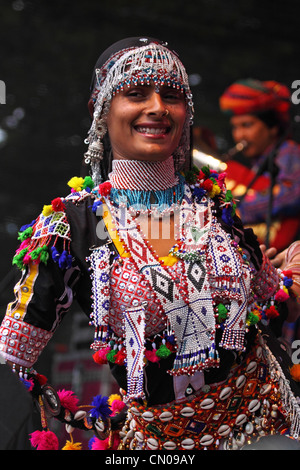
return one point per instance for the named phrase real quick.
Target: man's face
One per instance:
(255, 132)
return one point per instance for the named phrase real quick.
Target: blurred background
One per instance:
(47, 53)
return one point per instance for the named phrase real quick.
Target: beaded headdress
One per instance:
(128, 62)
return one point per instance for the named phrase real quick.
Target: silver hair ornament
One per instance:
(152, 62)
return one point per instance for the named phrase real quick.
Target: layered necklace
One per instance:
(146, 185)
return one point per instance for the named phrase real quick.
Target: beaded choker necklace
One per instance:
(146, 184)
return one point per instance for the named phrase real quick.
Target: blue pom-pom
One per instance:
(287, 281)
(101, 407)
(69, 261)
(62, 261)
(226, 216)
(91, 442)
(24, 227)
(55, 254)
(199, 192)
(96, 205)
(170, 339)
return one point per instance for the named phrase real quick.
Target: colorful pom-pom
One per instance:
(70, 445)
(96, 205)
(29, 384)
(100, 408)
(271, 312)
(117, 406)
(151, 356)
(111, 355)
(120, 357)
(215, 191)
(25, 234)
(98, 444)
(68, 400)
(222, 312)
(88, 183)
(44, 440)
(42, 379)
(76, 183)
(47, 210)
(100, 356)
(163, 351)
(104, 188)
(287, 281)
(281, 295)
(113, 397)
(105, 444)
(199, 192)
(253, 317)
(57, 205)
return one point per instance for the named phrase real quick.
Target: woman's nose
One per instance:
(156, 105)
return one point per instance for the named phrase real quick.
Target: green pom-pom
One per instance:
(206, 171)
(252, 318)
(111, 355)
(163, 351)
(26, 234)
(222, 312)
(228, 196)
(36, 253)
(18, 258)
(88, 183)
(44, 255)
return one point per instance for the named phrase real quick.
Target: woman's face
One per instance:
(144, 124)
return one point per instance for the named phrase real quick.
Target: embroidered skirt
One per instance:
(227, 416)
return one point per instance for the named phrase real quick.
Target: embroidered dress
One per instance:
(176, 331)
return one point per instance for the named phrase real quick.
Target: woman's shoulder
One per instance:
(49, 234)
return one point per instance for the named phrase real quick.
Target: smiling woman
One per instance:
(145, 123)
(176, 312)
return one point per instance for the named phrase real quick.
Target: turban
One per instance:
(252, 96)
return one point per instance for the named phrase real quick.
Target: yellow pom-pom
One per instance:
(113, 397)
(70, 445)
(76, 183)
(215, 191)
(47, 210)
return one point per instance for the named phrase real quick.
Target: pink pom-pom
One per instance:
(99, 444)
(23, 245)
(117, 406)
(44, 440)
(281, 296)
(27, 258)
(151, 356)
(68, 400)
(104, 444)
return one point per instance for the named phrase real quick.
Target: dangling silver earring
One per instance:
(95, 151)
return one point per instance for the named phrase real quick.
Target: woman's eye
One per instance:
(173, 96)
(135, 93)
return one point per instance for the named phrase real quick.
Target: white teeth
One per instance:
(151, 130)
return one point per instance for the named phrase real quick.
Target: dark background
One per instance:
(47, 53)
